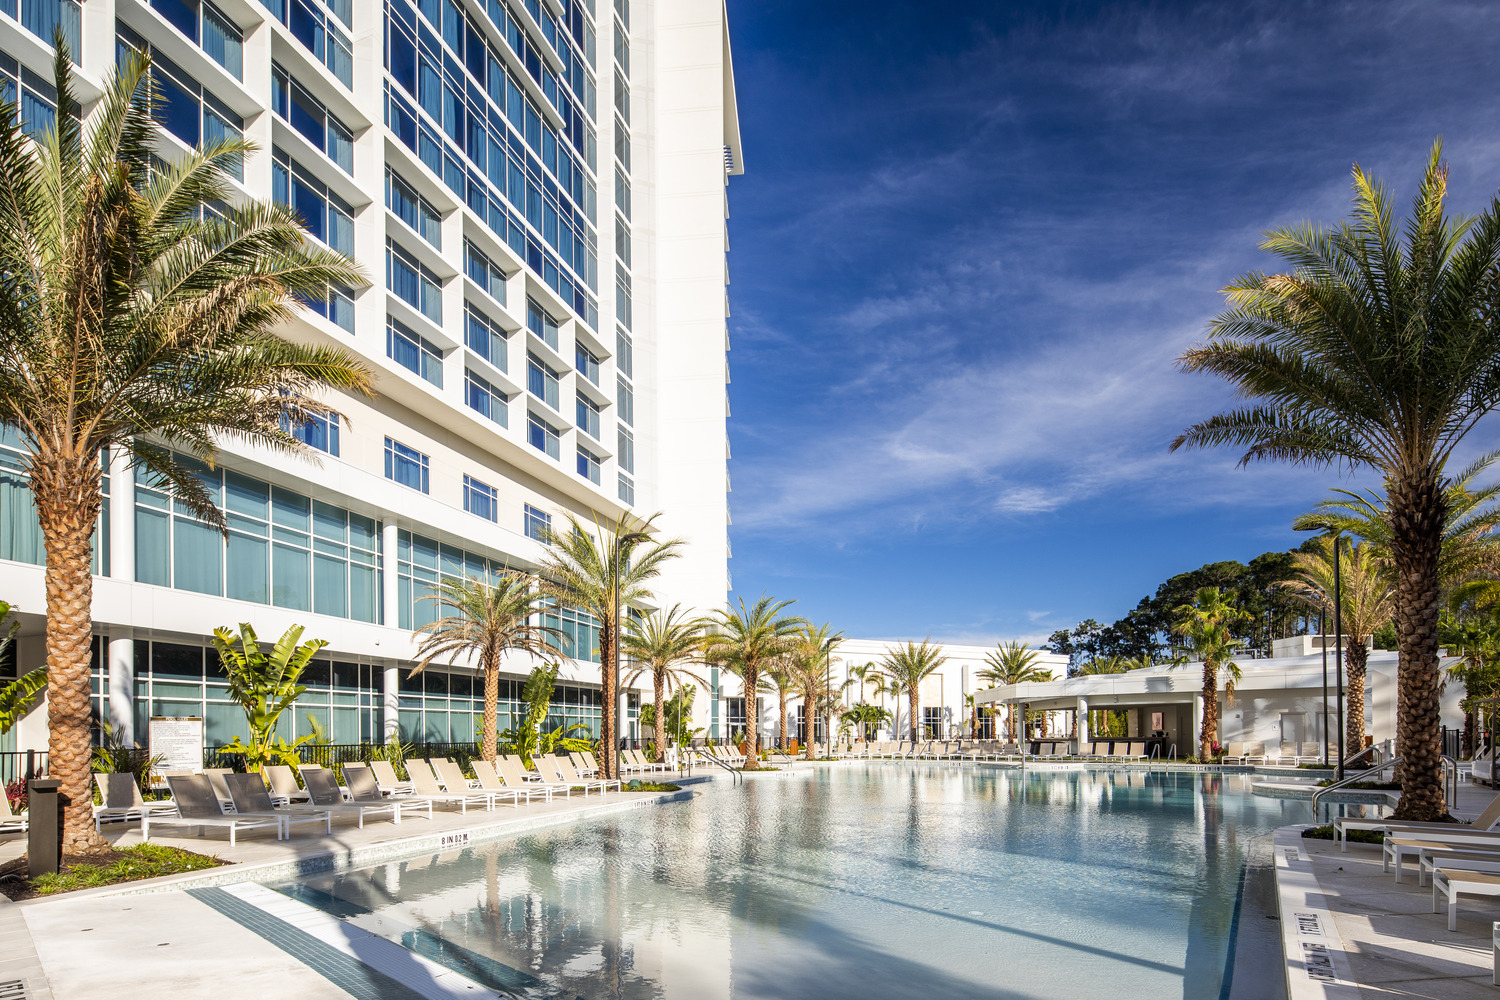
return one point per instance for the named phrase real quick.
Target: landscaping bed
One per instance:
(1325, 832)
(651, 786)
(101, 868)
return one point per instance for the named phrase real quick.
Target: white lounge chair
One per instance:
(326, 794)
(454, 781)
(426, 784)
(1451, 883)
(122, 800)
(513, 769)
(1485, 822)
(385, 777)
(489, 780)
(252, 798)
(564, 768)
(10, 822)
(284, 787)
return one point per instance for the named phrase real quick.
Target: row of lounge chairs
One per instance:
(1287, 755)
(1457, 859)
(236, 802)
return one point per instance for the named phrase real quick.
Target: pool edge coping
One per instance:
(1308, 928)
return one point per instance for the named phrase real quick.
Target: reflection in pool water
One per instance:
(863, 881)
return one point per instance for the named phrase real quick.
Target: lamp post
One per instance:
(1338, 647)
(1323, 641)
(622, 546)
(828, 691)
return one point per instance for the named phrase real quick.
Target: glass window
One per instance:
(537, 523)
(624, 353)
(539, 322)
(485, 337)
(185, 108)
(484, 272)
(325, 215)
(311, 25)
(413, 283)
(36, 100)
(542, 436)
(414, 210)
(484, 398)
(43, 17)
(209, 28)
(588, 365)
(406, 466)
(622, 241)
(541, 381)
(318, 432)
(626, 456)
(413, 352)
(622, 192)
(625, 401)
(588, 464)
(626, 490)
(337, 306)
(481, 500)
(305, 113)
(588, 416)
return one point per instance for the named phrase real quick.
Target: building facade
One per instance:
(537, 191)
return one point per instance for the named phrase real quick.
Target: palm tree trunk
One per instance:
(1354, 696)
(66, 493)
(783, 721)
(808, 697)
(659, 724)
(609, 698)
(752, 717)
(491, 698)
(1418, 514)
(911, 694)
(1210, 710)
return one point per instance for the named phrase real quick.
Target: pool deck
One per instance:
(216, 930)
(1350, 931)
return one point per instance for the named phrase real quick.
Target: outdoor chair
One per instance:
(639, 760)
(198, 806)
(454, 781)
(215, 776)
(1234, 752)
(1287, 755)
(489, 780)
(1485, 822)
(252, 797)
(1450, 883)
(284, 787)
(582, 766)
(512, 767)
(569, 773)
(1396, 849)
(1431, 859)
(365, 792)
(385, 778)
(1310, 753)
(326, 794)
(424, 779)
(122, 800)
(1136, 751)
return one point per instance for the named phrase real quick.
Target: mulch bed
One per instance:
(15, 883)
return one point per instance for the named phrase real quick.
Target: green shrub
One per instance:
(138, 862)
(1325, 832)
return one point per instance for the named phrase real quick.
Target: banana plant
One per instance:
(17, 697)
(527, 739)
(265, 685)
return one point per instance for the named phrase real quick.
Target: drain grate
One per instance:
(15, 989)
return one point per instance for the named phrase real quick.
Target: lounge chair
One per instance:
(1136, 751)
(10, 822)
(385, 778)
(1451, 882)
(284, 787)
(364, 791)
(582, 766)
(565, 770)
(1310, 753)
(326, 794)
(454, 781)
(648, 765)
(215, 776)
(252, 798)
(1485, 822)
(198, 806)
(513, 769)
(426, 783)
(122, 800)
(489, 780)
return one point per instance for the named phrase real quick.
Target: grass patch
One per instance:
(1325, 832)
(109, 867)
(761, 768)
(651, 786)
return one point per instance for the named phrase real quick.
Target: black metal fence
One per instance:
(333, 754)
(22, 765)
(1453, 742)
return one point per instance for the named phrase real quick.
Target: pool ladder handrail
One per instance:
(1450, 779)
(1349, 779)
(736, 776)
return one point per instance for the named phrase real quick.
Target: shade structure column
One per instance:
(1192, 739)
(390, 581)
(1083, 722)
(390, 716)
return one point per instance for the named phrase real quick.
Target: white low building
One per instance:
(1277, 700)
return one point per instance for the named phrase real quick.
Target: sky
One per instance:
(971, 241)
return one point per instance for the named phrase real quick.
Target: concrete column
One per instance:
(121, 518)
(390, 586)
(121, 673)
(390, 718)
(1192, 738)
(1083, 721)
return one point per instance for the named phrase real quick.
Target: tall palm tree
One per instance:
(603, 577)
(486, 621)
(1470, 549)
(128, 311)
(1367, 601)
(908, 665)
(1012, 663)
(746, 640)
(777, 676)
(661, 643)
(1377, 349)
(807, 665)
(1205, 624)
(864, 674)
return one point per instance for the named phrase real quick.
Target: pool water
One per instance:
(861, 881)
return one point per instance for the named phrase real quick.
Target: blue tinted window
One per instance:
(406, 466)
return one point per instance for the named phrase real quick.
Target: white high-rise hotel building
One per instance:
(537, 190)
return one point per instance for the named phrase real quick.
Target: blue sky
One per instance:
(970, 242)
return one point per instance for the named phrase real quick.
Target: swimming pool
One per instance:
(861, 881)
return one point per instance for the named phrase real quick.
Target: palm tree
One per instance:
(807, 666)
(1012, 663)
(127, 310)
(19, 696)
(660, 643)
(1470, 550)
(603, 578)
(778, 676)
(487, 621)
(1205, 624)
(908, 665)
(746, 640)
(867, 673)
(1368, 599)
(1377, 349)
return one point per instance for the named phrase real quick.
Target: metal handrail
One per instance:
(1450, 780)
(1349, 780)
(1351, 760)
(733, 774)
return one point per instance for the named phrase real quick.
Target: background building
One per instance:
(537, 191)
